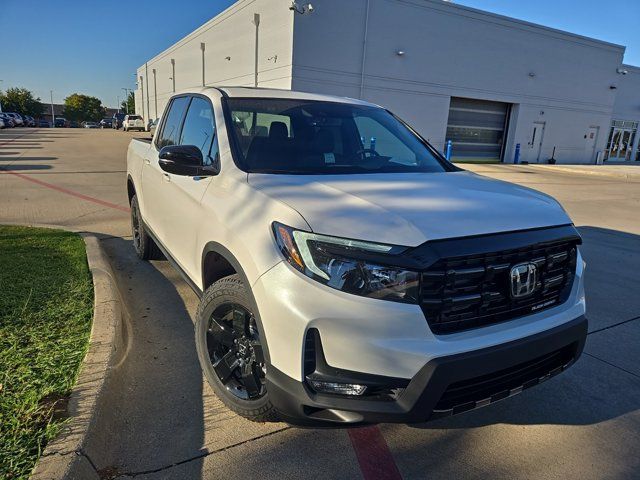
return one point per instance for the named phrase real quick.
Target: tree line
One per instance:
(77, 107)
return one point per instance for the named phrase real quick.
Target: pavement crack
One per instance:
(614, 325)
(611, 364)
(203, 454)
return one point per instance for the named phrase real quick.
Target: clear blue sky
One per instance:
(94, 46)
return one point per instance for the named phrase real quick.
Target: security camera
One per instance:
(301, 9)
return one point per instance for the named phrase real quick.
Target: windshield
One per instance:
(314, 137)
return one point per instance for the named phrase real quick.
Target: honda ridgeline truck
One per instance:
(346, 271)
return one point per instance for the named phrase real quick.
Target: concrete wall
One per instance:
(230, 34)
(450, 50)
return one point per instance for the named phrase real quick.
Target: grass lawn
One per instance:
(46, 306)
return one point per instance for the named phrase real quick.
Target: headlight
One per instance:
(351, 266)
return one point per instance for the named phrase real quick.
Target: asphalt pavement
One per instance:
(165, 422)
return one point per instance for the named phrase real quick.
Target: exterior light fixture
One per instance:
(532, 74)
(621, 71)
(400, 53)
(613, 87)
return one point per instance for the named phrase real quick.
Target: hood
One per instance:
(409, 209)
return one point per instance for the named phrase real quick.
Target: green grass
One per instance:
(46, 306)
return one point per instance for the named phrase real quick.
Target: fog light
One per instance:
(339, 388)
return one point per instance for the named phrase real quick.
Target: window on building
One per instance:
(621, 141)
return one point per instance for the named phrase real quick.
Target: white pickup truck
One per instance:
(346, 271)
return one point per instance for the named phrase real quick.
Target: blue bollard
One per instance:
(447, 151)
(516, 156)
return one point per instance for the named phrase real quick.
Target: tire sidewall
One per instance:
(227, 290)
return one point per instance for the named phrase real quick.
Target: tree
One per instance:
(129, 105)
(80, 108)
(22, 101)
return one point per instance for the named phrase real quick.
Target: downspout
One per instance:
(364, 48)
(146, 75)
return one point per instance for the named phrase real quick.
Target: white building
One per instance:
(484, 81)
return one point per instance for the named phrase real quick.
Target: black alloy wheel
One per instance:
(235, 351)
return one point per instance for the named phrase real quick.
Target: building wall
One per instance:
(450, 50)
(230, 34)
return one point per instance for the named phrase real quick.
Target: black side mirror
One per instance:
(182, 160)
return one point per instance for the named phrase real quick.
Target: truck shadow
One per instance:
(152, 414)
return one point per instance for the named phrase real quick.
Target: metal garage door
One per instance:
(477, 129)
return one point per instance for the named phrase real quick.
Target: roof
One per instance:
(259, 92)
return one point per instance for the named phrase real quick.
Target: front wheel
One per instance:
(230, 350)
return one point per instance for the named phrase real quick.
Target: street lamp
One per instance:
(53, 114)
(126, 101)
(1, 102)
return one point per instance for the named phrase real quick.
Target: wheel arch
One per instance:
(218, 262)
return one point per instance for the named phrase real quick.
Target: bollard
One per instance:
(447, 151)
(516, 157)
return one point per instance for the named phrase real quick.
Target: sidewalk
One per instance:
(627, 172)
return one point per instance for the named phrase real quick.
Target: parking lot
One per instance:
(165, 422)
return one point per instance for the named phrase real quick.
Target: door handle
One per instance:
(166, 177)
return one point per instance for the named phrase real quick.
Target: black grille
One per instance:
(476, 392)
(463, 292)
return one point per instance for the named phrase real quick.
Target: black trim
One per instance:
(417, 403)
(171, 260)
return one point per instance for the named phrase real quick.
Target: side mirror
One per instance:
(181, 160)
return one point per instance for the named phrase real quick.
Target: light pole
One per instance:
(118, 103)
(1, 102)
(126, 101)
(256, 22)
(53, 114)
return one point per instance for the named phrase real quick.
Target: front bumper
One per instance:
(443, 386)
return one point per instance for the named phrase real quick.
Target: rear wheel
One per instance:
(231, 351)
(143, 244)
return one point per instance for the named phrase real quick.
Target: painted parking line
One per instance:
(65, 190)
(373, 454)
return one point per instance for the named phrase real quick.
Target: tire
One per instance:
(241, 335)
(143, 244)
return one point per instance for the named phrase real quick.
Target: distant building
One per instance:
(486, 82)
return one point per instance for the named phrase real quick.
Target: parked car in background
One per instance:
(2, 123)
(17, 119)
(44, 123)
(90, 125)
(106, 123)
(74, 124)
(379, 282)
(147, 127)
(117, 120)
(8, 121)
(60, 123)
(133, 122)
(153, 126)
(30, 121)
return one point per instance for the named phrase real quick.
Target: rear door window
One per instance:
(173, 123)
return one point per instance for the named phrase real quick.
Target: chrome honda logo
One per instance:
(524, 279)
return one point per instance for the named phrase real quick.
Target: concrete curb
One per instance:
(65, 457)
(600, 170)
